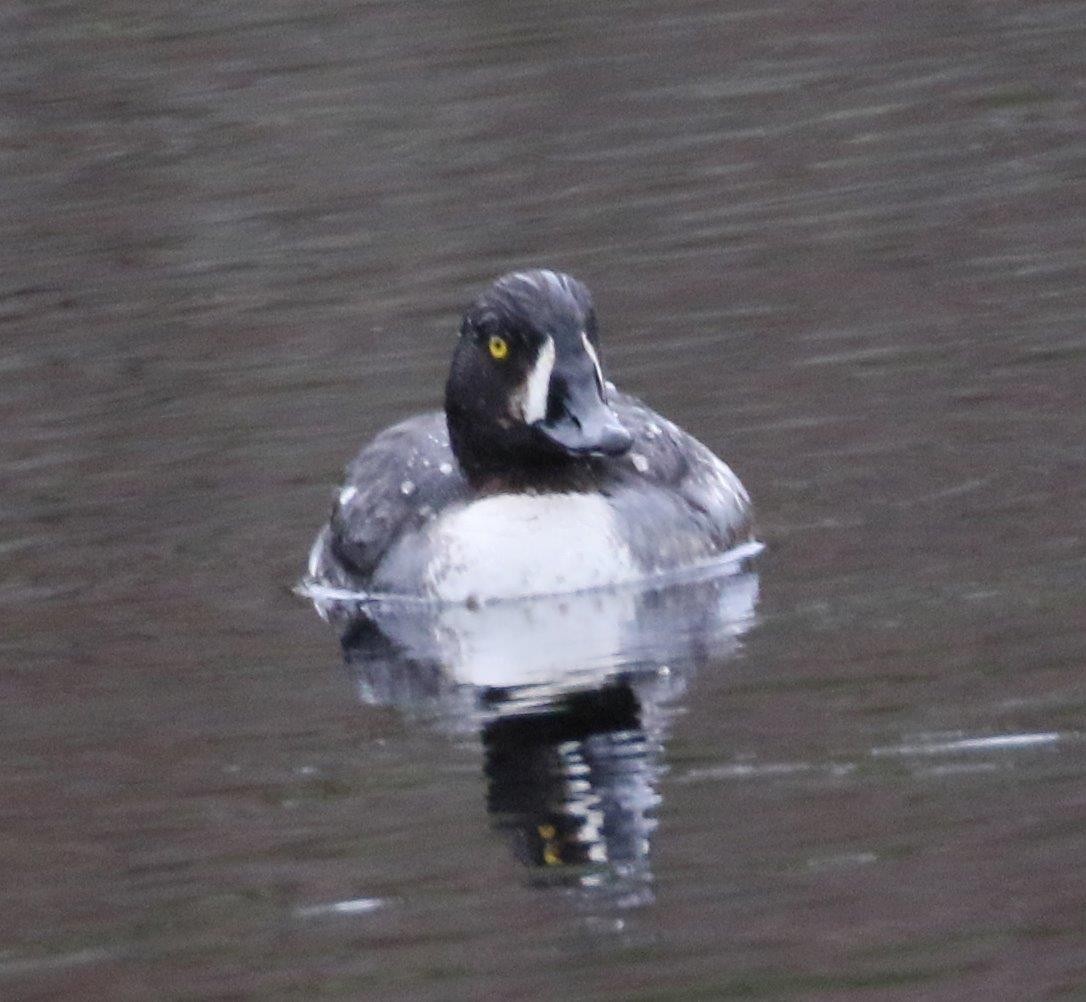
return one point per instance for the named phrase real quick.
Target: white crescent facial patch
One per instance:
(530, 401)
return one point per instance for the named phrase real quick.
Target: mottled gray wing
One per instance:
(703, 504)
(395, 485)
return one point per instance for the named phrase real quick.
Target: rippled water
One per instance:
(844, 246)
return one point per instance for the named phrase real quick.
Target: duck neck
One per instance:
(514, 462)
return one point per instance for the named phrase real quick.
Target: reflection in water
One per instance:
(570, 696)
(573, 787)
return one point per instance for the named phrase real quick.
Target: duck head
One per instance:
(526, 387)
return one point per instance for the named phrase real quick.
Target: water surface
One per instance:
(842, 246)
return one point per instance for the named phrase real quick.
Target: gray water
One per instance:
(841, 244)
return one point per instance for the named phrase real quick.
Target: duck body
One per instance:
(490, 500)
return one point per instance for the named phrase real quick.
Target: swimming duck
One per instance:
(539, 477)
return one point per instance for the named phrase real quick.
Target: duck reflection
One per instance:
(574, 789)
(571, 697)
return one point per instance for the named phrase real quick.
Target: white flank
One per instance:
(532, 397)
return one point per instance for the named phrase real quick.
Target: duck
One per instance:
(539, 477)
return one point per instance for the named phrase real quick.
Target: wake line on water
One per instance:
(729, 562)
(992, 742)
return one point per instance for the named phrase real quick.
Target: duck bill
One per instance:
(585, 426)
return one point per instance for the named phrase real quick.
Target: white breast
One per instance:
(514, 545)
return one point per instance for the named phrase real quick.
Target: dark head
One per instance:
(526, 387)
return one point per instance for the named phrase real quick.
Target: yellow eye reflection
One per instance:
(552, 849)
(498, 346)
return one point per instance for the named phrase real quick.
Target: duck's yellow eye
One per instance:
(498, 346)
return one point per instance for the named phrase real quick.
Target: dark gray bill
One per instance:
(585, 425)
